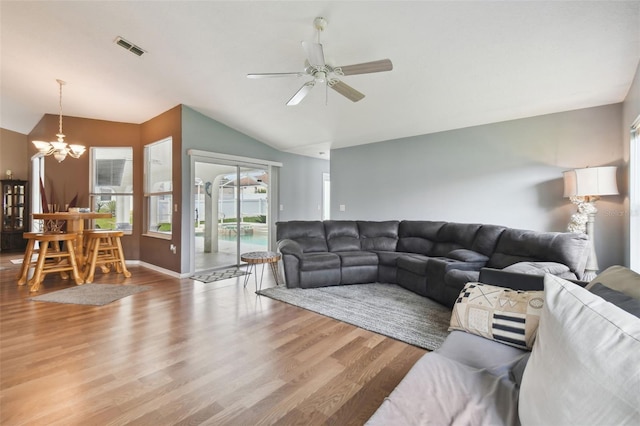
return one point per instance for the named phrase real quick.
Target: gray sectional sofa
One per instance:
(582, 368)
(431, 258)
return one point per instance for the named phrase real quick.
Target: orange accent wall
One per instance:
(154, 250)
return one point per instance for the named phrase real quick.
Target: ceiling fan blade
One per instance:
(367, 67)
(276, 74)
(346, 90)
(315, 55)
(302, 93)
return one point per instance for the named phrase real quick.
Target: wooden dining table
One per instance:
(74, 223)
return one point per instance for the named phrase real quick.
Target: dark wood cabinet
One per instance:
(15, 214)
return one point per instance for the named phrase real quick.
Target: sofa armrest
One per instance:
(515, 280)
(290, 247)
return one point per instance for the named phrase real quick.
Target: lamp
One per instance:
(59, 149)
(584, 187)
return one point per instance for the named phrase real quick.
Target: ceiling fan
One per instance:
(322, 73)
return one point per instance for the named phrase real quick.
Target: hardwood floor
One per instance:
(186, 353)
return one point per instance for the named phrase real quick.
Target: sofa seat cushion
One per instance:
(442, 391)
(389, 258)
(413, 263)
(457, 278)
(358, 258)
(419, 264)
(465, 255)
(477, 352)
(319, 261)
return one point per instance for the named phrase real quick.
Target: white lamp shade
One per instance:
(42, 146)
(569, 183)
(590, 181)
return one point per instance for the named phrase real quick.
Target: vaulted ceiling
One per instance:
(455, 63)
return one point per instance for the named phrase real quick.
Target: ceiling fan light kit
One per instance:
(322, 73)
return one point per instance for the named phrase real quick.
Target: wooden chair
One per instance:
(51, 258)
(104, 248)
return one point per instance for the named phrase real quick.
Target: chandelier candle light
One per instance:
(59, 149)
(584, 187)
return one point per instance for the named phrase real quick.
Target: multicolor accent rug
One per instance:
(209, 277)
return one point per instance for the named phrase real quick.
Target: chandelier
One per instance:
(59, 149)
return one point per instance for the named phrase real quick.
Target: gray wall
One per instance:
(300, 176)
(301, 187)
(507, 173)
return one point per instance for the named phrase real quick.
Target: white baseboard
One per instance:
(157, 269)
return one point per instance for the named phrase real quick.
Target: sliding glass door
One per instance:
(231, 211)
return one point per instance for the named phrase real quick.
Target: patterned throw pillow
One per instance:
(498, 313)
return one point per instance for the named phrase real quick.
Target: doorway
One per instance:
(231, 208)
(37, 177)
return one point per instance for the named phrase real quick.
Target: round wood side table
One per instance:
(255, 258)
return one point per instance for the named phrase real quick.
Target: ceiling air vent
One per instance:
(130, 46)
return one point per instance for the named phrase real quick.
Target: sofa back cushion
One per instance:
(418, 236)
(518, 245)
(435, 238)
(342, 235)
(453, 236)
(308, 234)
(487, 239)
(380, 236)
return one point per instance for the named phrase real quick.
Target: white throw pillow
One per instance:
(498, 313)
(619, 278)
(585, 365)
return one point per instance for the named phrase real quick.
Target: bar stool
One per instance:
(104, 248)
(51, 258)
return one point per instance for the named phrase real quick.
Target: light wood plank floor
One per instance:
(186, 353)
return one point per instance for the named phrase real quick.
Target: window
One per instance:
(112, 187)
(158, 188)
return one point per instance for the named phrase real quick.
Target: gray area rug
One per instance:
(387, 309)
(91, 294)
(209, 277)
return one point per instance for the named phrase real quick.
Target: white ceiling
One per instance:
(456, 63)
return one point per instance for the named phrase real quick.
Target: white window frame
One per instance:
(93, 185)
(150, 191)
